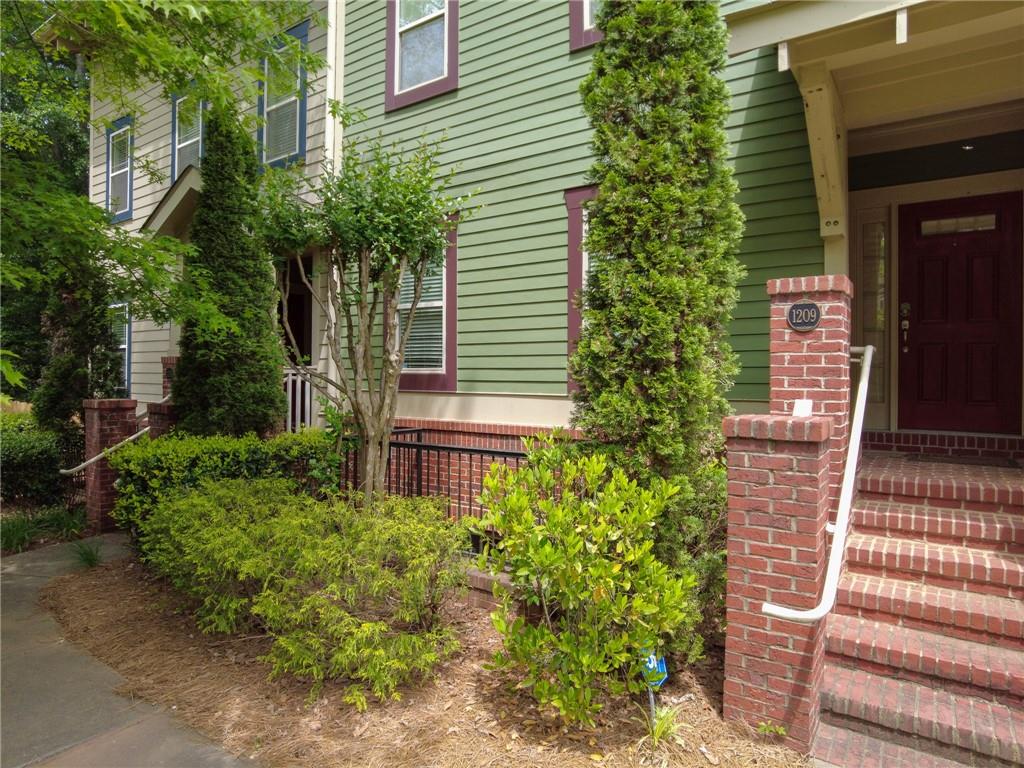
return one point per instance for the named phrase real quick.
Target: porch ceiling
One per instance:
(958, 55)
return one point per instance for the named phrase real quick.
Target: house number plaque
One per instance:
(804, 316)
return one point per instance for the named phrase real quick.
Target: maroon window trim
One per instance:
(447, 380)
(579, 36)
(574, 200)
(450, 82)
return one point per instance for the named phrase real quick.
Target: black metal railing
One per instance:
(418, 467)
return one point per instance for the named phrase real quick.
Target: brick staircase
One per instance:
(925, 650)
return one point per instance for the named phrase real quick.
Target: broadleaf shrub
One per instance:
(343, 593)
(576, 539)
(150, 470)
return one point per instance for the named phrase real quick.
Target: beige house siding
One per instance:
(152, 147)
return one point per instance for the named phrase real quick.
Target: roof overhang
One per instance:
(173, 214)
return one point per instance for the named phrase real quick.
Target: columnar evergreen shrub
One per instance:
(152, 470)
(228, 379)
(576, 540)
(344, 594)
(653, 364)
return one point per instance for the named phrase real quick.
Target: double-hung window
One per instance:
(430, 352)
(121, 329)
(186, 134)
(422, 50)
(282, 107)
(119, 169)
(424, 351)
(583, 31)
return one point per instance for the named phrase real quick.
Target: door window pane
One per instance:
(875, 266)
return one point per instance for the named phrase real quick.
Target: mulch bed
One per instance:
(466, 716)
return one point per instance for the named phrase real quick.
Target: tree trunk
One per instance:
(373, 463)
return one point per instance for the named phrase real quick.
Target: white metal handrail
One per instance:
(107, 451)
(838, 551)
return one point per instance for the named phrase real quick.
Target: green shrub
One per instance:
(30, 460)
(149, 470)
(343, 593)
(16, 533)
(576, 540)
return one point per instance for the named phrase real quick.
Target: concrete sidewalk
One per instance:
(57, 702)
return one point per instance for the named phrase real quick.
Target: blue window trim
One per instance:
(116, 126)
(301, 33)
(175, 97)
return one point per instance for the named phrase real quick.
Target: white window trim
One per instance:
(443, 303)
(111, 173)
(398, 46)
(267, 109)
(178, 146)
(586, 15)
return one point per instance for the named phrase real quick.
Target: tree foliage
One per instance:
(653, 363)
(382, 215)
(63, 259)
(228, 380)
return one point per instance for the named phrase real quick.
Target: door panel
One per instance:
(960, 314)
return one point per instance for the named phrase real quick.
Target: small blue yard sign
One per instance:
(655, 670)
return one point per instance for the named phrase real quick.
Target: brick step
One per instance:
(982, 530)
(839, 746)
(974, 570)
(982, 618)
(931, 658)
(941, 484)
(947, 719)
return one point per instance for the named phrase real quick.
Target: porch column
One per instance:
(814, 364)
(107, 422)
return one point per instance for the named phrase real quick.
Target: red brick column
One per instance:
(814, 365)
(167, 366)
(107, 422)
(161, 418)
(778, 507)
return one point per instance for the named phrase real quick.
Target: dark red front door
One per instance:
(959, 314)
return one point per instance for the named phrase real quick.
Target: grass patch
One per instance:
(25, 528)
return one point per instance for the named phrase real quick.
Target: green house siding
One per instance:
(772, 162)
(516, 132)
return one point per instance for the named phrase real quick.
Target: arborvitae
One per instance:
(653, 363)
(229, 381)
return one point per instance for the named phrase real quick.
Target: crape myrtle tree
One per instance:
(380, 221)
(228, 381)
(653, 363)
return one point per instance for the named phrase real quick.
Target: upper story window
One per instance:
(119, 169)
(186, 134)
(583, 31)
(422, 50)
(431, 352)
(282, 107)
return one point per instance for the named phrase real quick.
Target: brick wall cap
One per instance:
(111, 404)
(764, 426)
(810, 285)
(164, 409)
